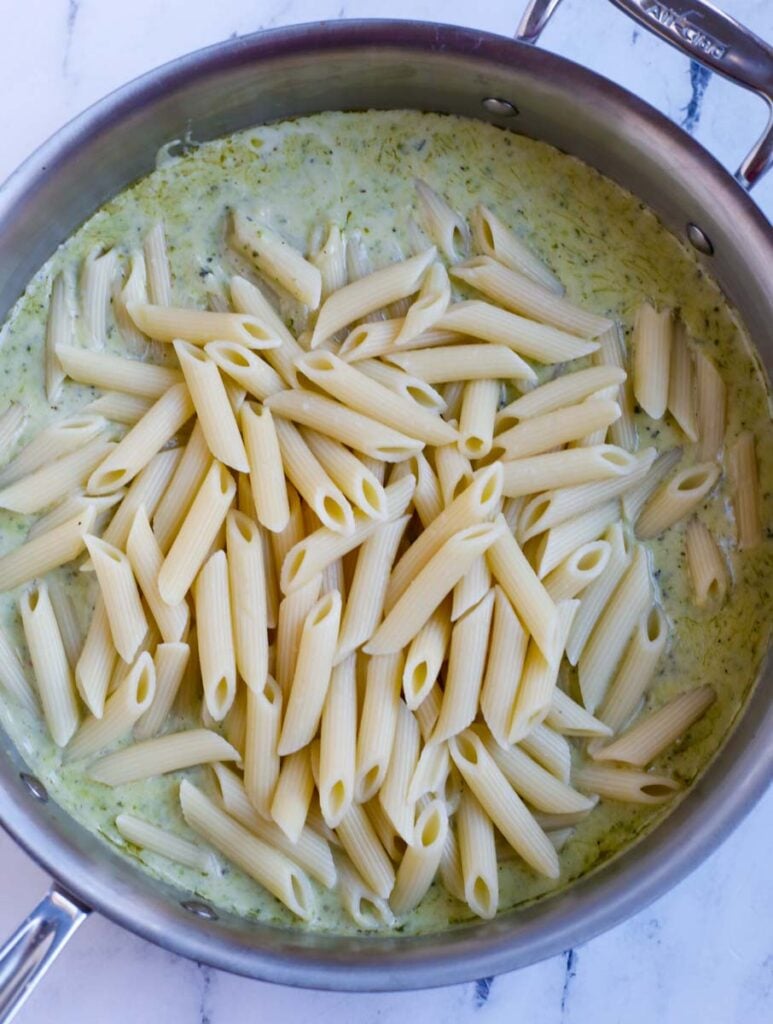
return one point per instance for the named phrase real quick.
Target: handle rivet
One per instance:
(35, 786)
(699, 240)
(502, 107)
(199, 909)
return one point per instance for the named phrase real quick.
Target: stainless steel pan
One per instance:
(387, 64)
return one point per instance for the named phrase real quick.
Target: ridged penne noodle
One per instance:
(378, 722)
(681, 384)
(453, 393)
(585, 564)
(430, 585)
(161, 755)
(122, 709)
(54, 481)
(338, 743)
(541, 433)
(478, 855)
(636, 497)
(277, 259)
(323, 547)
(430, 773)
(359, 839)
(269, 490)
(128, 625)
(133, 289)
(12, 677)
(96, 662)
(538, 679)
(364, 434)
(676, 498)
(450, 868)
(96, 284)
(636, 670)
(598, 436)
(427, 498)
(558, 542)
(120, 408)
(610, 636)
(47, 551)
(428, 307)
(365, 603)
(293, 610)
(267, 866)
(214, 412)
(463, 362)
(712, 407)
(569, 718)
(550, 749)
(370, 340)
(443, 225)
(53, 674)
(292, 794)
(261, 757)
(612, 353)
(245, 367)
(197, 531)
(60, 329)
(146, 490)
(368, 294)
(170, 661)
(518, 293)
(393, 794)
(466, 665)
(421, 859)
(493, 238)
(157, 263)
(247, 585)
(453, 471)
(476, 421)
(747, 499)
(76, 503)
(160, 841)
(526, 337)
(311, 678)
(507, 650)
(425, 656)
(651, 735)
(568, 389)
(249, 299)
(294, 530)
(471, 588)
(625, 784)
(330, 260)
(393, 843)
(146, 559)
(61, 438)
(368, 911)
(706, 565)
(502, 804)
(114, 373)
(200, 326)
(145, 439)
(565, 469)
(311, 481)
(355, 480)
(652, 334)
(598, 593)
(407, 386)
(215, 635)
(12, 420)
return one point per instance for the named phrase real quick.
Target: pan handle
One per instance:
(34, 946)
(706, 35)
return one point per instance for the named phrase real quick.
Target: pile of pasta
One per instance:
(408, 625)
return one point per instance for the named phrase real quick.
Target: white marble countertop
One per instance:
(703, 952)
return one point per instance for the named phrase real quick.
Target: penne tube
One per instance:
(53, 674)
(541, 433)
(427, 498)
(568, 389)
(507, 650)
(338, 743)
(146, 559)
(245, 367)
(681, 384)
(363, 433)
(132, 289)
(214, 412)
(477, 850)
(533, 783)
(502, 804)
(269, 490)
(292, 613)
(235, 722)
(96, 280)
(122, 709)
(311, 678)
(170, 661)
(518, 293)
(565, 469)
(598, 436)
(311, 481)
(463, 362)
(625, 784)
(199, 326)
(320, 549)
(560, 541)
(466, 665)
(362, 845)
(370, 340)
(161, 755)
(712, 407)
(356, 481)
(119, 408)
(378, 722)
(443, 225)
(247, 298)
(651, 342)
(575, 573)
(598, 593)
(453, 392)
(376, 290)
(270, 868)
(118, 587)
(60, 329)
(610, 636)
(367, 910)
(636, 497)
(653, 733)
(12, 420)
(415, 390)
(471, 588)
(157, 262)
(571, 719)
(277, 259)
(421, 859)
(431, 584)
(428, 306)
(114, 373)
(144, 440)
(676, 498)
(97, 659)
(534, 694)
(745, 481)
(62, 438)
(215, 635)
(393, 794)
(294, 530)
(476, 420)
(612, 353)
(247, 588)
(636, 670)
(77, 502)
(166, 844)
(450, 869)
(425, 657)
(491, 237)
(453, 471)
(13, 679)
(330, 260)
(705, 564)
(197, 531)
(46, 552)
(431, 770)
(292, 794)
(54, 481)
(550, 749)
(261, 758)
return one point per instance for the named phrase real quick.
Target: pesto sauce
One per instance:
(356, 170)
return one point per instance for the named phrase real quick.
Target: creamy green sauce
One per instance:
(356, 170)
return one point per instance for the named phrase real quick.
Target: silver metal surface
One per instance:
(502, 107)
(427, 67)
(32, 949)
(705, 34)
(699, 240)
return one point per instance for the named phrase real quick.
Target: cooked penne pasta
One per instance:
(598, 593)
(96, 662)
(568, 389)
(681, 384)
(370, 340)
(330, 260)
(428, 307)
(245, 367)
(54, 481)
(393, 794)
(569, 718)
(676, 498)
(46, 552)
(114, 373)
(585, 564)
(712, 407)
(471, 588)
(53, 674)
(368, 911)
(12, 420)
(122, 709)
(612, 353)
(507, 650)
(146, 559)
(636, 497)
(360, 485)
(652, 338)
(292, 794)
(491, 237)
(269, 490)
(421, 859)
(557, 543)
(293, 610)
(625, 784)
(450, 868)
(311, 481)
(61, 438)
(247, 587)
(476, 421)
(565, 469)
(96, 284)
(443, 225)
(215, 635)
(540, 788)
(157, 262)
(424, 658)
(60, 330)
(453, 471)
(120, 408)
(77, 502)
(118, 587)
(248, 298)
(161, 755)
(359, 839)
(542, 433)
(706, 565)
(478, 855)
(466, 665)
(378, 722)
(746, 491)
(550, 749)
(463, 362)
(261, 757)
(160, 841)
(132, 289)
(199, 326)
(170, 661)
(338, 743)
(277, 259)
(146, 490)
(12, 677)
(407, 386)
(636, 670)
